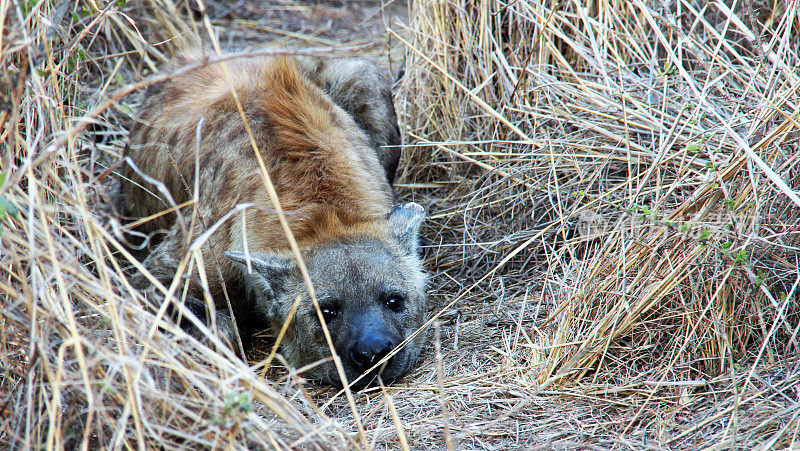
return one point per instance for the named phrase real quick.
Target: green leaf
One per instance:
(740, 257)
(760, 276)
(7, 207)
(668, 69)
(244, 402)
(237, 401)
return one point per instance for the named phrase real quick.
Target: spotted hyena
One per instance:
(327, 135)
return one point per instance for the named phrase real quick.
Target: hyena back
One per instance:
(327, 135)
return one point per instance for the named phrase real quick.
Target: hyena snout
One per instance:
(369, 350)
(372, 342)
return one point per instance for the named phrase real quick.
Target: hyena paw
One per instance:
(222, 319)
(196, 307)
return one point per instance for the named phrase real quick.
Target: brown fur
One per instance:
(326, 175)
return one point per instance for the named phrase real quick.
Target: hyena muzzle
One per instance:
(326, 133)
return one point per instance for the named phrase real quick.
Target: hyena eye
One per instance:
(329, 312)
(395, 302)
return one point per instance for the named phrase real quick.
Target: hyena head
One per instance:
(371, 293)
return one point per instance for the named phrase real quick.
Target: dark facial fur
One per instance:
(371, 293)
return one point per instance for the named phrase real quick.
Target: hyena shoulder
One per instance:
(216, 117)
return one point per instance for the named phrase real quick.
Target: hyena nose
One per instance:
(369, 350)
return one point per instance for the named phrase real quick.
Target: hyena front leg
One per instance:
(163, 266)
(363, 90)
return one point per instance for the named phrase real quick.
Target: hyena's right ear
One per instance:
(404, 221)
(271, 270)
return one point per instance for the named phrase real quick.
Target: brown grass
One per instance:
(613, 201)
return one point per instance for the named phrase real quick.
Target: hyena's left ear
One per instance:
(404, 221)
(271, 270)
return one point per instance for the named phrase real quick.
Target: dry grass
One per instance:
(613, 198)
